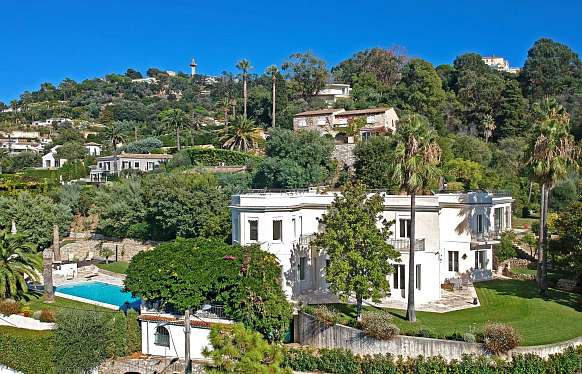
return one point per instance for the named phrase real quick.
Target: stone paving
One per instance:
(450, 301)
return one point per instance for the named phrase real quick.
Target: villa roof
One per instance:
(147, 156)
(93, 143)
(172, 320)
(362, 111)
(319, 112)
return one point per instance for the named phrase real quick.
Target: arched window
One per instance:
(162, 337)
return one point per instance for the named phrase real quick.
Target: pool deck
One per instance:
(82, 277)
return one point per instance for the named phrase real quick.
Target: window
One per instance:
(302, 266)
(480, 259)
(254, 230)
(480, 227)
(417, 275)
(136, 164)
(399, 281)
(150, 166)
(125, 165)
(277, 230)
(498, 216)
(294, 222)
(454, 261)
(162, 337)
(404, 228)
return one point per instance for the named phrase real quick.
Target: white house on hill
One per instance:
(50, 160)
(125, 161)
(455, 235)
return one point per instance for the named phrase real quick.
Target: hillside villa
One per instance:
(335, 122)
(50, 160)
(125, 161)
(455, 237)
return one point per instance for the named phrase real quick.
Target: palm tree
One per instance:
(196, 120)
(552, 152)
(416, 157)
(488, 126)
(243, 135)
(245, 66)
(114, 134)
(18, 261)
(174, 119)
(225, 106)
(273, 71)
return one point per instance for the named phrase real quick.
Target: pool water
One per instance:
(101, 292)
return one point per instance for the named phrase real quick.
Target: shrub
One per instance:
(469, 338)
(27, 351)
(325, 315)
(46, 315)
(26, 311)
(378, 325)
(236, 349)
(301, 359)
(340, 361)
(500, 338)
(139, 230)
(216, 157)
(9, 307)
(425, 332)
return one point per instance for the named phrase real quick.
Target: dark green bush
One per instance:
(30, 352)
(343, 361)
(217, 157)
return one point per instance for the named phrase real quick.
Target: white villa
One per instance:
(50, 160)
(125, 161)
(335, 122)
(455, 235)
(334, 91)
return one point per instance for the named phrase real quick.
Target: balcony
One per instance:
(490, 236)
(403, 245)
(306, 239)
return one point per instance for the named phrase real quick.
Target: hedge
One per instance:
(342, 361)
(28, 351)
(216, 157)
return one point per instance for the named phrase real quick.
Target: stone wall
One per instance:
(345, 154)
(125, 248)
(310, 332)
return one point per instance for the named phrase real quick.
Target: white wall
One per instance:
(198, 340)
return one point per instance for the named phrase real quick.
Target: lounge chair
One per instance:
(70, 274)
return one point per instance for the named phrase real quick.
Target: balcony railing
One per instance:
(403, 245)
(306, 239)
(486, 236)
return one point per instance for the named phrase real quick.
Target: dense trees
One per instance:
(358, 250)
(295, 160)
(18, 260)
(246, 280)
(163, 207)
(308, 74)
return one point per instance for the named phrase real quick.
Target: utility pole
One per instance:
(187, 327)
(274, 80)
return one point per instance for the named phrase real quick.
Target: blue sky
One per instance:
(50, 40)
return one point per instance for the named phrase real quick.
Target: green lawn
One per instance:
(524, 271)
(518, 222)
(538, 321)
(116, 267)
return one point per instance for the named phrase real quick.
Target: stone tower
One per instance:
(193, 67)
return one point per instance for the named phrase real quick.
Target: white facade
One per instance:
(455, 234)
(334, 91)
(125, 161)
(162, 334)
(499, 63)
(50, 160)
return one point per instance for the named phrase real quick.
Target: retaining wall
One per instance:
(311, 332)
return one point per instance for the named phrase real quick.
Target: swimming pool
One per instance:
(98, 293)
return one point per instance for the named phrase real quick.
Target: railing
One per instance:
(212, 311)
(403, 245)
(306, 239)
(486, 235)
